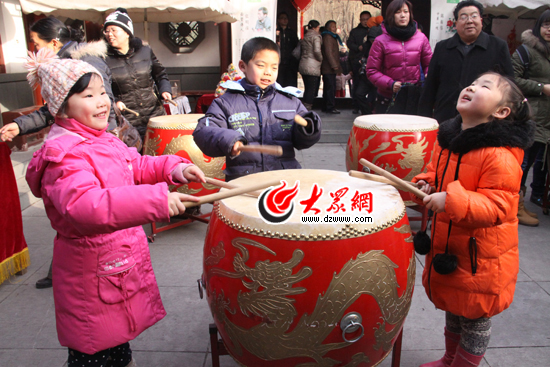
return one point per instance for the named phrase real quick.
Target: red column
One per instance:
(224, 31)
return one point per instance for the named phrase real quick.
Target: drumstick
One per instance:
(377, 178)
(275, 150)
(300, 120)
(229, 193)
(172, 102)
(213, 181)
(393, 178)
(131, 111)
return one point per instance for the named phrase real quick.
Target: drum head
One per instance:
(386, 206)
(396, 123)
(175, 122)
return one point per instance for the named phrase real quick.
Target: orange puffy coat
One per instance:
(482, 203)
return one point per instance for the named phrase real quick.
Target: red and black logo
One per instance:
(275, 204)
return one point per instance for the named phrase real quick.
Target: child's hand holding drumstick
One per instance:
(175, 202)
(183, 173)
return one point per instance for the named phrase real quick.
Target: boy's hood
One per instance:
(64, 135)
(245, 87)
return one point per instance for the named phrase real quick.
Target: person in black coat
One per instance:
(139, 79)
(287, 41)
(357, 44)
(459, 60)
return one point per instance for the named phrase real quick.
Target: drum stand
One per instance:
(219, 349)
(186, 219)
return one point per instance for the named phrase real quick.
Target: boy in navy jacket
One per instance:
(256, 110)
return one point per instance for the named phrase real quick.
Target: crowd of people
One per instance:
(493, 111)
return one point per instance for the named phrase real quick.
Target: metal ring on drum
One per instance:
(281, 294)
(172, 134)
(401, 144)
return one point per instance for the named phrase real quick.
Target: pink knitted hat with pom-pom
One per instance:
(55, 76)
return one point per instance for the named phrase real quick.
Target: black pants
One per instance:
(534, 157)
(311, 86)
(288, 75)
(329, 91)
(364, 94)
(119, 356)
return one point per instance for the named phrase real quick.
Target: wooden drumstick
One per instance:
(226, 185)
(229, 193)
(131, 111)
(393, 178)
(172, 102)
(377, 178)
(300, 120)
(275, 150)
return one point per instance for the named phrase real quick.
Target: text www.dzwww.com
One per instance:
(335, 219)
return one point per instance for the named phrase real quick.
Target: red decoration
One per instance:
(14, 254)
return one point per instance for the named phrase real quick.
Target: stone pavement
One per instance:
(521, 334)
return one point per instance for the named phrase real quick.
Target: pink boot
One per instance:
(451, 343)
(465, 359)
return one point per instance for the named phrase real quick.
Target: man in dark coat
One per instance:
(288, 40)
(459, 60)
(357, 44)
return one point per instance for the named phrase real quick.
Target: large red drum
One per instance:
(401, 144)
(315, 292)
(172, 134)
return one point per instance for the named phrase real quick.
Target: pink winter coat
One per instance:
(391, 60)
(97, 193)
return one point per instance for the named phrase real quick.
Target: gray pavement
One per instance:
(520, 336)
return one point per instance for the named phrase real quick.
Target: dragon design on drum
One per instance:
(272, 283)
(353, 153)
(413, 155)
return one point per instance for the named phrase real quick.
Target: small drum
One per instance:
(318, 288)
(173, 135)
(401, 144)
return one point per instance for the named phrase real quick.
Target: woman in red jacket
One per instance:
(399, 56)
(473, 180)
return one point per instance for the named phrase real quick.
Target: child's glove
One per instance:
(175, 205)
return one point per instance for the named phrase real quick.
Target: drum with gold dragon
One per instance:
(318, 271)
(172, 134)
(401, 144)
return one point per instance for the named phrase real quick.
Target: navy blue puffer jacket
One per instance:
(255, 116)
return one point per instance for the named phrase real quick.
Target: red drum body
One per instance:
(310, 294)
(173, 134)
(401, 144)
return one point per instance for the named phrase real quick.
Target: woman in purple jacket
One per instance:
(399, 56)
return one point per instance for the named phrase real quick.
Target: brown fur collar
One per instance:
(532, 41)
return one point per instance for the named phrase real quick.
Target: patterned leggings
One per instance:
(474, 334)
(119, 356)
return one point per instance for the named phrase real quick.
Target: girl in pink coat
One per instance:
(399, 55)
(97, 194)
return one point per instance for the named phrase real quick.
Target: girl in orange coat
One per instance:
(473, 181)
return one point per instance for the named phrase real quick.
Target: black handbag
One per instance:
(126, 132)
